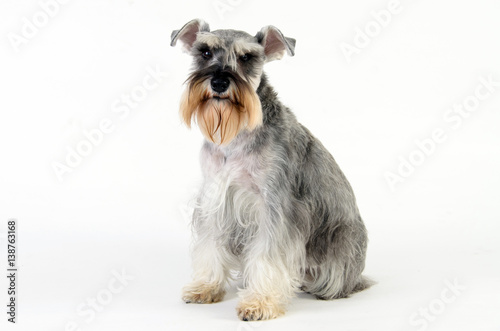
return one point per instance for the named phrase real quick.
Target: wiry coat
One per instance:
(275, 206)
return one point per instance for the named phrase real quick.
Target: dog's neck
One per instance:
(271, 105)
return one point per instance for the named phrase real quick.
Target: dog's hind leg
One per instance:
(339, 273)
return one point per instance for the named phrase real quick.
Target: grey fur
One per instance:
(274, 204)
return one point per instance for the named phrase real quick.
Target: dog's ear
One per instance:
(187, 34)
(275, 43)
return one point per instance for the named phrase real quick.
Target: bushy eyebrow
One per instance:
(209, 40)
(241, 47)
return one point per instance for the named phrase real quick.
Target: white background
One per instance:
(125, 206)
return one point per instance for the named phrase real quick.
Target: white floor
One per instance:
(434, 235)
(441, 275)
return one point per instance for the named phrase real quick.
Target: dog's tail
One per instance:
(363, 284)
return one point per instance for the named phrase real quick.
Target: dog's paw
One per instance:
(257, 309)
(199, 292)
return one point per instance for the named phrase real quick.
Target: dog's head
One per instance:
(227, 69)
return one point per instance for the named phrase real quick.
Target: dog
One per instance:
(274, 205)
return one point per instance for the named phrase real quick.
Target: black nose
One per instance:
(219, 84)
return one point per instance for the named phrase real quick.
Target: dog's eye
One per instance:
(245, 57)
(206, 55)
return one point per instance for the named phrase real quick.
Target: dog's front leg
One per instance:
(271, 271)
(211, 270)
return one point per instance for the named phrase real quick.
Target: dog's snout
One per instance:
(220, 84)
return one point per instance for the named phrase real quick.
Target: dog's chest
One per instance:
(232, 169)
(232, 193)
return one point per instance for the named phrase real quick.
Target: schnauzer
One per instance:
(274, 205)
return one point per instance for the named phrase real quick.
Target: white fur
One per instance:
(231, 204)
